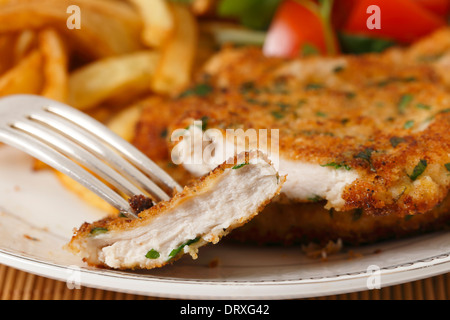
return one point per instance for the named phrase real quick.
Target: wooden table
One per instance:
(19, 285)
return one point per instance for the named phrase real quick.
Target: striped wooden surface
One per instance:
(19, 285)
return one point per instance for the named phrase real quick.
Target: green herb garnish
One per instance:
(201, 90)
(97, 231)
(357, 44)
(314, 86)
(239, 166)
(447, 166)
(301, 102)
(395, 141)
(419, 169)
(366, 155)
(350, 95)
(163, 134)
(176, 251)
(204, 123)
(277, 114)
(309, 50)
(338, 69)
(404, 102)
(388, 81)
(409, 124)
(253, 14)
(321, 114)
(316, 199)
(152, 254)
(247, 87)
(282, 105)
(337, 165)
(423, 106)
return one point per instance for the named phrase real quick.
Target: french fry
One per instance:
(201, 7)
(107, 27)
(157, 19)
(124, 123)
(104, 79)
(178, 55)
(25, 43)
(56, 82)
(7, 41)
(26, 77)
(85, 194)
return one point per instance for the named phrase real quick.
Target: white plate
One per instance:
(37, 216)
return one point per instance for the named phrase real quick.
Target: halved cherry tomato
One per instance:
(402, 20)
(293, 27)
(438, 7)
(342, 9)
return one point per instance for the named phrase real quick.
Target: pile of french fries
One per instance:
(121, 51)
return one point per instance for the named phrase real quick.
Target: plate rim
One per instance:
(123, 281)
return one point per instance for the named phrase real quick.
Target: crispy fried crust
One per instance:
(291, 224)
(332, 110)
(375, 113)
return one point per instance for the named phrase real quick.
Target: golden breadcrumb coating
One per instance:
(387, 116)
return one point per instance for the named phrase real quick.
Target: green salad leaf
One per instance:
(358, 44)
(253, 14)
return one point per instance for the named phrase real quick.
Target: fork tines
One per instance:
(84, 149)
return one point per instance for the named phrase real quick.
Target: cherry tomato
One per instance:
(401, 20)
(293, 27)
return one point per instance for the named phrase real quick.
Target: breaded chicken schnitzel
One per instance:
(367, 132)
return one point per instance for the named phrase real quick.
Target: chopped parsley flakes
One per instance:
(176, 251)
(316, 199)
(388, 81)
(366, 155)
(152, 254)
(337, 165)
(309, 50)
(314, 86)
(447, 166)
(419, 169)
(201, 90)
(239, 166)
(404, 102)
(423, 106)
(395, 141)
(97, 231)
(277, 114)
(408, 124)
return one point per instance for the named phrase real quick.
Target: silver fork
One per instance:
(82, 148)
